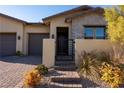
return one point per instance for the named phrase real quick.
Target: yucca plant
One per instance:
(88, 65)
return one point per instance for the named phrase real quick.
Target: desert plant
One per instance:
(32, 78)
(118, 54)
(103, 56)
(87, 64)
(42, 69)
(111, 75)
(19, 53)
(113, 56)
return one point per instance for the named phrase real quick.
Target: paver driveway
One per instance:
(13, 68)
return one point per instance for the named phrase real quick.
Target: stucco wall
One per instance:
(76, 27)
(8, 25)
(58, 22)
(48, 52)
(91, 45)
(78, 24)
(33, 29)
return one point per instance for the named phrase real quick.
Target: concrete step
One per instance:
(64, 58)
(64, 63)
(66, 80)
(58, 85)
(65, 68)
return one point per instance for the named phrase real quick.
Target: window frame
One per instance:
(94, 31)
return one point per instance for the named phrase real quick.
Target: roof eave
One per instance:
(65, 12)
(16, 19)
(97, 10)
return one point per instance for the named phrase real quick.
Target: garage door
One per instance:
(36, 43)
(7, 44)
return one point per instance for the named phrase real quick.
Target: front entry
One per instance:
(62, 41)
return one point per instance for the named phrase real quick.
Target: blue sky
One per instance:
(34, 13)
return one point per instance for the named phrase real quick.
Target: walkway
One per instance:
(65, 79)
(12, 69)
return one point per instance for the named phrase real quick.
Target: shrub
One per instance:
(42, 69)
(19, 53)
(111, 75)
(103, 57)
(87, 64)
(115, 56)
(32, 78)
(118, 54)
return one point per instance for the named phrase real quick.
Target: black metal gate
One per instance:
(69, 56)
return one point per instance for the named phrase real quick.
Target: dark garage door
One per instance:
(7, 44)
(36, 43)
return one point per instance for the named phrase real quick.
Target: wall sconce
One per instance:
(19, 37)
(52, 36)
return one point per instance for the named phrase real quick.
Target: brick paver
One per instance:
(12, 69)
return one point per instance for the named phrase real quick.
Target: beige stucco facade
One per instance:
(91, 45)
(76, 26)
(76, 23)
(33, 28)
(58, 22)
(8, 25)
(48, 52)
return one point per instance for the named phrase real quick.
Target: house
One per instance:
(63, 34)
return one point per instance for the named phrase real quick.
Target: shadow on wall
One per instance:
(32, 60)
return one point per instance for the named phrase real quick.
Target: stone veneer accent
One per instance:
(89, 20)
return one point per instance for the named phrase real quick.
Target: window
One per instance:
(88, 33)
(100, 33)
(94, 32)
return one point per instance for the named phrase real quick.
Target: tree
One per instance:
(115, 29)
(115, 18)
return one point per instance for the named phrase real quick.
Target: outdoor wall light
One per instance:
(19, 37)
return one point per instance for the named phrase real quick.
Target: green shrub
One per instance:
(19, 53)
(42, 69)
(88, 64)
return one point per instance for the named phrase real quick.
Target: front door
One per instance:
(62, 40)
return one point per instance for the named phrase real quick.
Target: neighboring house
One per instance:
(18, 35)
(84, 22)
